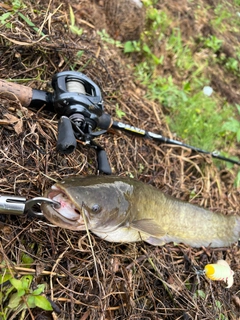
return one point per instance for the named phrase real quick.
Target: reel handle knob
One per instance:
(66, 142)
(102, 160)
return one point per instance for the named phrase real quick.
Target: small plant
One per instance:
(136, 46)
(18, 295)
(233, 65)
(237, 180)
(119, 112)
(182, 53)
(158, 22)
(5, 17)
(73, 28)
(219, 308)
(212, 42)
(17, 5)
(200, 294)
(25, 297)
(233, 125)
(107, 38)
(222, 15)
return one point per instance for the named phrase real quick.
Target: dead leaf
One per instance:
(5, 6)
(18, 127)
(10, 119)
(4, 122)
(13, 120)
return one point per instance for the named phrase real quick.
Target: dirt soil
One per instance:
(137, 281)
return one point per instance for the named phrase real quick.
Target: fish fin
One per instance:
(155, 241)
(148, 226)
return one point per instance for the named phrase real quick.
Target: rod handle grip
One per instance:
(9, 90)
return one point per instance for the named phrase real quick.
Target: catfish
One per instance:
(121, 209)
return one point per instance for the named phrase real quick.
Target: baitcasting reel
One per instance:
(78, 102)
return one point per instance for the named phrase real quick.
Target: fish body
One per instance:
(121, 209)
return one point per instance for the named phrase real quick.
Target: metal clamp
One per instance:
(12, 205)
(30, 204)
(19, 205)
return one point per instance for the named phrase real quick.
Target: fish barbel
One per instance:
(121, 209)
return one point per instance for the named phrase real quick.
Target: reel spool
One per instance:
(75, 85)
(76, 93)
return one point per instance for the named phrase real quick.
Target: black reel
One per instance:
(78, 102)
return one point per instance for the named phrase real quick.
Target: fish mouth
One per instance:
(67, 215)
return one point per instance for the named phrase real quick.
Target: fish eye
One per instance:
(96, 208)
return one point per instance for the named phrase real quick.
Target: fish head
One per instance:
(97, 202)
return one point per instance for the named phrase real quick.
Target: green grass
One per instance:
(198, 119)
(191, 115)
(194, 117)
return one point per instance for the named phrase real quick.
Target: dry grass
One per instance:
(103, 281)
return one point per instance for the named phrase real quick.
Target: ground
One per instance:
(130, 281)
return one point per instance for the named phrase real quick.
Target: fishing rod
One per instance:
(78, 102)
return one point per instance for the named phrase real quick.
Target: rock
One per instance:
(124, 19)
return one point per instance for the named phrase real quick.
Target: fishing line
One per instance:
(91, 246)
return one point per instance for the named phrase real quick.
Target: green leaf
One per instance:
(201, 294)
(152, 13)
(21, 292)
(7, 291)
(31, 301)
(16, 283)
(157, 60)
(237, 180)
(30, 23)
(238, 135)
(26, 281)
(5, 277)
(232, 125)
(39, 290)
(218, 304)
(187, 86)
(27, 260)
(14, 301)
(5, 16)
(119, 112)
(80, 53)
(72, 16)
(17, 4)
(238, 107)
(43, 303)
(146, 48)
(129, 47)
(76, 30)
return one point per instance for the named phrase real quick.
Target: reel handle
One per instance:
(102, 160)
(66, 141)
